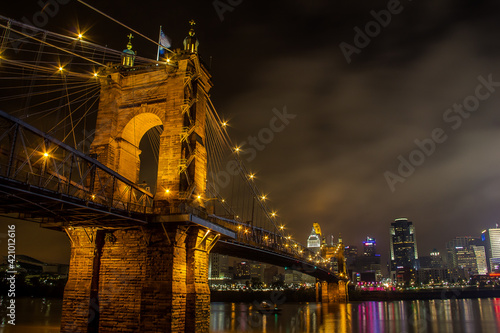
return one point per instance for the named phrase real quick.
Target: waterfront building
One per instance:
(218, 268)
(242, 270)
(468, 254)
(491, 238)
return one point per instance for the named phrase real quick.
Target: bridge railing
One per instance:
(34, 160)
(265, 239)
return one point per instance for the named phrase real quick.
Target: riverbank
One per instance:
(424, 294)
(309, 295)
(275, 296)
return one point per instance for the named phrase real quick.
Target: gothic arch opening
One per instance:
(150, 148)
(138, 144)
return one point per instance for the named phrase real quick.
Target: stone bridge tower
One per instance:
(135, 99)
(151, 277)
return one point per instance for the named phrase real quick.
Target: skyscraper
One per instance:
(218, 267)
(491, 238)
(481, 262)
(403, 246)
(369, 247)
(369, 262)
(466, 253)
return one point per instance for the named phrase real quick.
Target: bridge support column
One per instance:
(138, 280)
(318, 289)
(198, 291)
(334, 292)
(79, 293)
(343, 292)
(324, 292)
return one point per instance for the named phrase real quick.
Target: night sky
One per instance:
(355, 119)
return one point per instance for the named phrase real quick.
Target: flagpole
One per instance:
(159, 41)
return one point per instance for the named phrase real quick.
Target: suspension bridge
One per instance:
(122, 153)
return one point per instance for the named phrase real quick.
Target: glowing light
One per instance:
(246, 231)
(168, 60)
(239, 227)
(264, 197)
(93, 196)
(223, 200)
(46, 154)
(199, 197)
(282, 227)
(95, 74)
(167, 191)
(251, 176)
(237, 149)
(289, 237)
(273, 214)
(61, 69)
(265, 237)
(80, 36)
(224, 124)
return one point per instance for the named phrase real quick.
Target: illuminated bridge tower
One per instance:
(335, 291)
(134, 100)
(150, 277)
(329, 291)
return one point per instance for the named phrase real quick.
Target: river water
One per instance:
(455, 316)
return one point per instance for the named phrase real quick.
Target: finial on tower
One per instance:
(128, 56)
(191, 42)
(129, 45)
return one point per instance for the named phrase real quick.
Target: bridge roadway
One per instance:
(57, 194)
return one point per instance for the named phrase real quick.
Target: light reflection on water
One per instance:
(37, 315)
(444, 316)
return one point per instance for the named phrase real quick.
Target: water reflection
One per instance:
(443, 316)
(41, 315)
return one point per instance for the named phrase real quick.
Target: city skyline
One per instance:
(353, 120)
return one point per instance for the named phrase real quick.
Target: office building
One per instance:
(369, 247)
(491, 239)
(218, 268)
(403, 247)
(433, 260)
(468, 254)
(242, 270)
(481, 262)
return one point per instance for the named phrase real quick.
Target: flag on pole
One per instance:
(164, 42)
